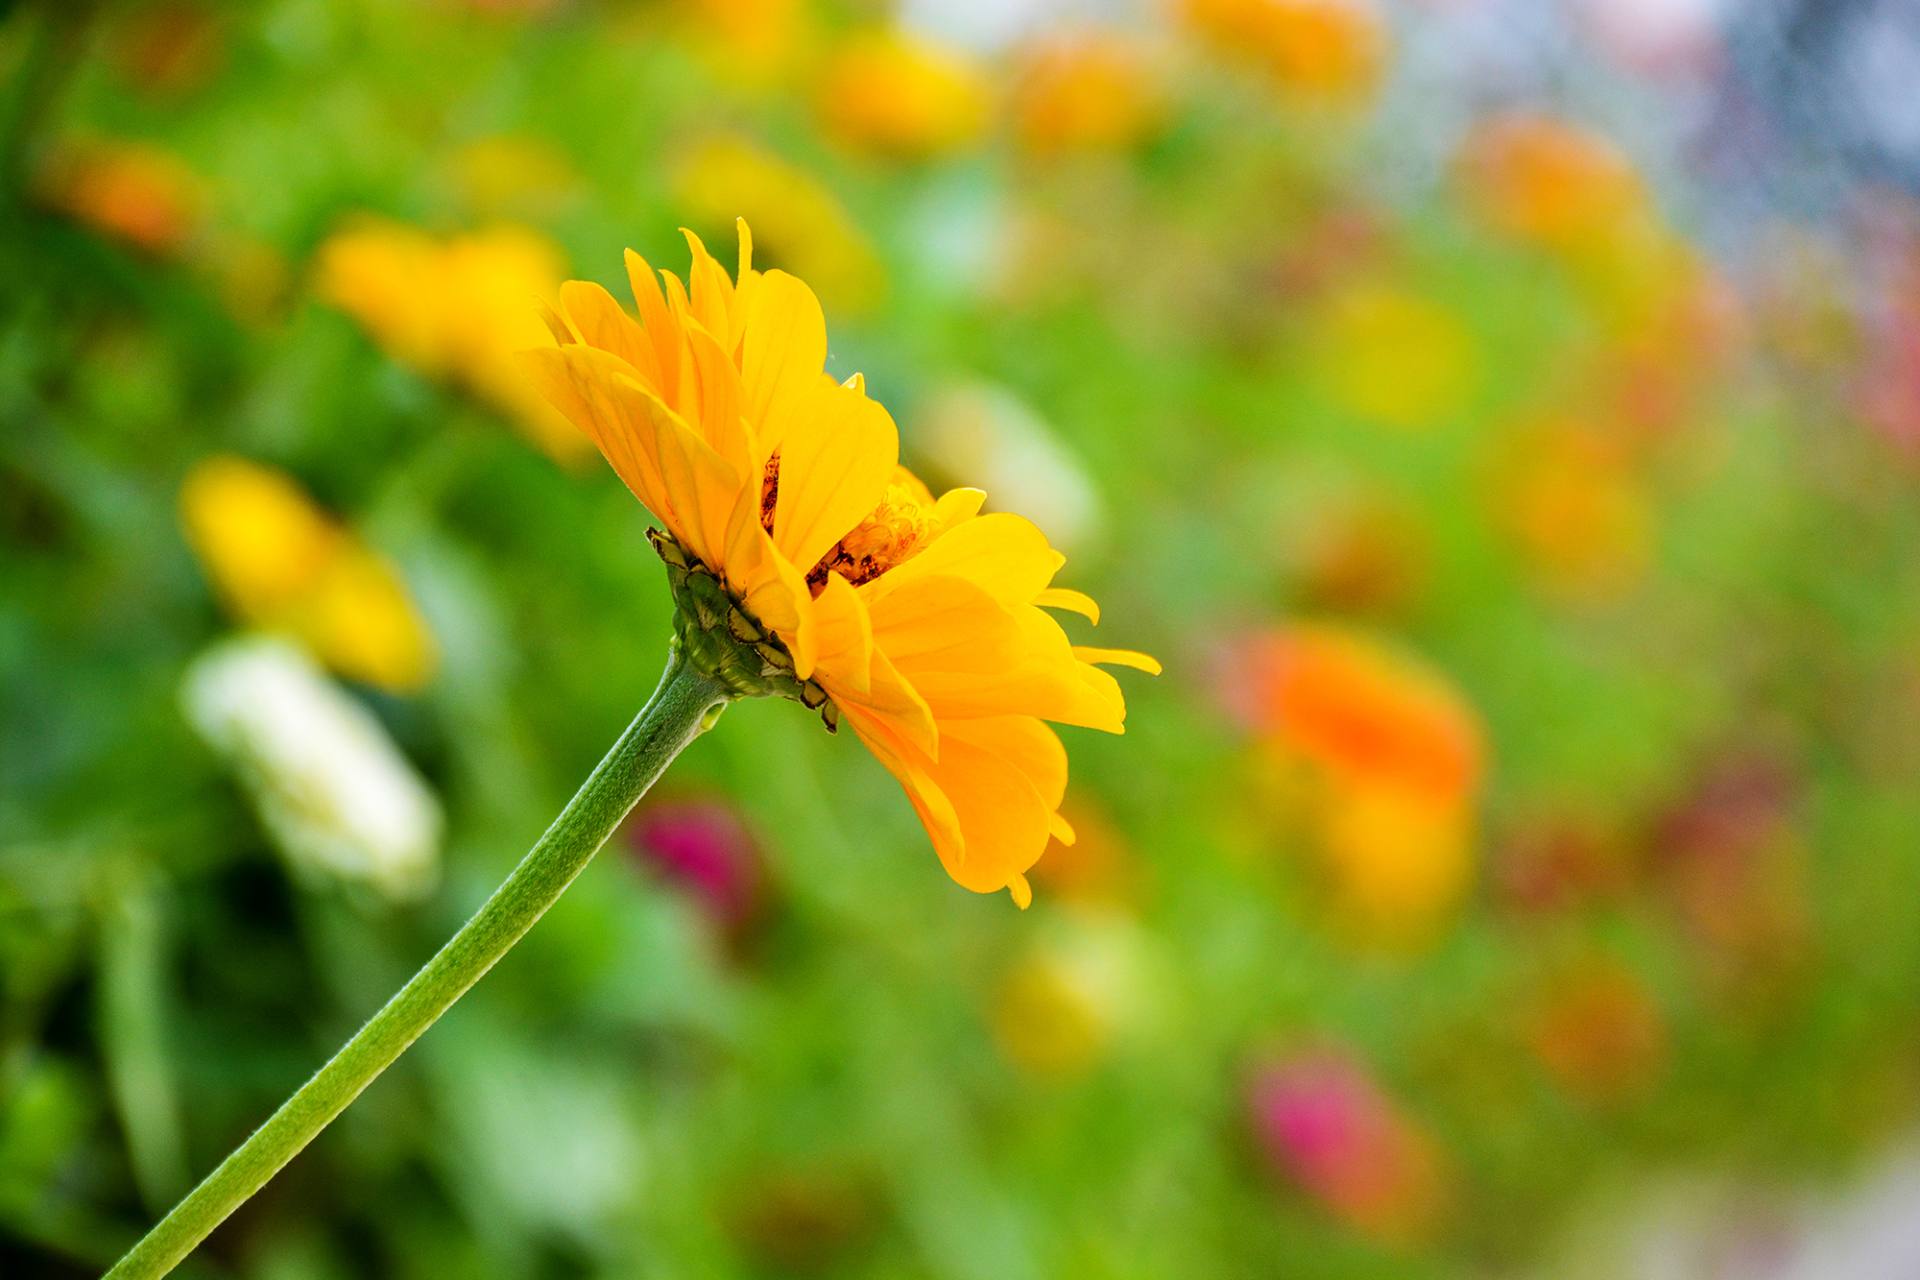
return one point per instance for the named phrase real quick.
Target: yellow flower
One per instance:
(800, 221)
(1063, 1003)
(917, 621)
(455, 309)
(278, 561)
(1318, 52)
(1394, 357)
(510, 174)
(1089, 92)
(901, 96)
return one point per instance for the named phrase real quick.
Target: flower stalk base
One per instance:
(730, 648)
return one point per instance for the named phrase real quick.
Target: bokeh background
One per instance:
(1502, 416)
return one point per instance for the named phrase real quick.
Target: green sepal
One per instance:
(725, 643)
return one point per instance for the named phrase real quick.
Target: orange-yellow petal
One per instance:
(781, 356)
(839, 453)
(583, 384)
(1073, 601)
(1118, 658)
(592, 313)
(1005, 555)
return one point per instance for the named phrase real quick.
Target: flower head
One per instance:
(1548, 183)
(703, 846)
(806, 561)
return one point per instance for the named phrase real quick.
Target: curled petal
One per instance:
(1119, 658)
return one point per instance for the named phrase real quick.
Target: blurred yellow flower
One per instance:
(130, 191)
(1084, 91)
(279, 561)
(1393, 357)
(1063, 1003)
(899, 95)
(1318, 52)
(917, 621)
(1397, 860)
(512, 175)
(1051, 1017)
(1395, 757)
(800, 222)
(456, 308)
(755, 43)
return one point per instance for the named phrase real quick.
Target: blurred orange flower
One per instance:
(278, 561)
(1084, 91)
(456, 308)
(130, 191)
(1366, 713)
(1319, 52)
(1567, 494)
(895, 94)
(1394, 757)
(1096, 867)
(169, 49)
(1549, 183)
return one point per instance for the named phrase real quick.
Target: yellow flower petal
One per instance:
(599, 321)
(846, 636)
(781, 355)
(1005, 555)
(1118, 658)
(1073, 601)
(839, 454)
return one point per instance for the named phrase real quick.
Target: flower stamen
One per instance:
(892, 533)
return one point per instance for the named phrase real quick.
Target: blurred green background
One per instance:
(1512, 874)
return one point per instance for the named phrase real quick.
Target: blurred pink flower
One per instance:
(700, 845)
(1323, 1121)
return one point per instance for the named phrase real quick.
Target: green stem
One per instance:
(678, 712)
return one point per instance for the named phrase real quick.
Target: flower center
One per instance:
(889, 536)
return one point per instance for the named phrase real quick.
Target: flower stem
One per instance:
(680, 709)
